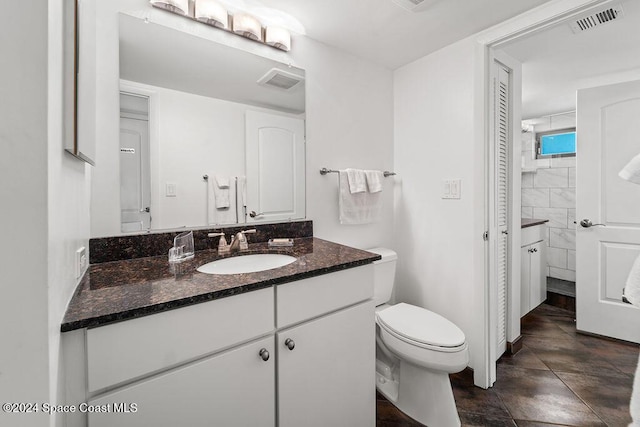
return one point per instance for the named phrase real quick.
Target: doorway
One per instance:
(537, 41)
(135, 175)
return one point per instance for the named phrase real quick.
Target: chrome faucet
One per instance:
(239, 241)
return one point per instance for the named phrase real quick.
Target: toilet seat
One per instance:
(421, 327)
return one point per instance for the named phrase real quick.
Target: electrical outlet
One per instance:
(81, 262)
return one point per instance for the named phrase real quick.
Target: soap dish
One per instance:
(279, 243)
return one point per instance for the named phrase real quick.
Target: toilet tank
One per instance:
(384, 272)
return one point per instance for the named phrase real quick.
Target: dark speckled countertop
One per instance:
(121, 290)
(530, 222)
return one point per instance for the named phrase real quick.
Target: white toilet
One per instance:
(416, 351)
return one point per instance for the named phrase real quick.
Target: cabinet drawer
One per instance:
(308, 298)
(131, 349)
(533, 234)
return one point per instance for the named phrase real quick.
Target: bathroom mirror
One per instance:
(194, 118)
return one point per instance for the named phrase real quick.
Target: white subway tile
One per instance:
(572, 177)
(527, 180)
(557, 216)
(571, 260)
(562, 238)
(562, 198)
(527, 212)
(557, 257)
(537, 197)
(551, 178)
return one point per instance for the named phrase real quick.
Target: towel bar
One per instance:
(325, 171)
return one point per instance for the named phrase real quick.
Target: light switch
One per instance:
(451, 188)
(171, 189)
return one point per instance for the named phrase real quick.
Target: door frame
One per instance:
(487, 42)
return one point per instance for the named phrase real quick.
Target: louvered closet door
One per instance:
(502, 119)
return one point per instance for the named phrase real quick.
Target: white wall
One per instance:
(45, 214)
(349, 122)
(24, 358)
(439, 241)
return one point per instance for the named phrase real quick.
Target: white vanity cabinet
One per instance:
(296, 354)
(533, 264)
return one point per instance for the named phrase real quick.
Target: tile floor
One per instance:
(559, 377)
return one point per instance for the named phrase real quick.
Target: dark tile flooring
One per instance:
(559, 377)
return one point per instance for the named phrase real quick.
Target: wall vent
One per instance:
(597, 19)
(414, 5)
(280, 79)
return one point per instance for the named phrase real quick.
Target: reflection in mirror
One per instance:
(192, 152)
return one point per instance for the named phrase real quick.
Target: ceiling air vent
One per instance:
(280, 79)
(597, 19)
(414, 5)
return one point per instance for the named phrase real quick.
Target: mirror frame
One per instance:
(72, 53)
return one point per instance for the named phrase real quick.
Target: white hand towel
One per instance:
(357, 180)
(222, 181)
(632, 287)
(217, 215)
(631, 172)
(221, 191)
(374, 180)
(357, 208)
(241, 185)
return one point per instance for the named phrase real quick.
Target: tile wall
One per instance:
(548, 192)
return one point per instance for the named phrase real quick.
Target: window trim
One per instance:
(539, 136)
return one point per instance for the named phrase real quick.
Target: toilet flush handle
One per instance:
(290, 343)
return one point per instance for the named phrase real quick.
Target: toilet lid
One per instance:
(421, 325)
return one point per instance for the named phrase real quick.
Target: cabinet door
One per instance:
(525, 280)
(538, 289)
(328, 377)
(234, 388)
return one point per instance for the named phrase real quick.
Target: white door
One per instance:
(608, 126)
(135, 175)
(275, 167)
(502, 140)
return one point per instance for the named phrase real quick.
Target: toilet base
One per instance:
(426, 396)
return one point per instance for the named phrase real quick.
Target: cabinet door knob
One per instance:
(264, 354)
(290, 343)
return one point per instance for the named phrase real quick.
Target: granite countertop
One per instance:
(120, 290)
(530, 222)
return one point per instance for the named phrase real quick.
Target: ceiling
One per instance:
(385, 33)
(557, 62)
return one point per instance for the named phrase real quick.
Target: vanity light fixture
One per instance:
(180, 7)
(212, 13)
(247, 26)
(277, 37)
(216, 14)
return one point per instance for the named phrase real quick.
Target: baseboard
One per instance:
(515, 346)
(562, 301)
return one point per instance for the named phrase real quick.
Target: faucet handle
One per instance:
(252, 231)
(215, 234)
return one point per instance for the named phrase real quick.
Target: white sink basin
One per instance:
(246, 264)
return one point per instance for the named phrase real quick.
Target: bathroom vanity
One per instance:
(289, 346)
(533, 264)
